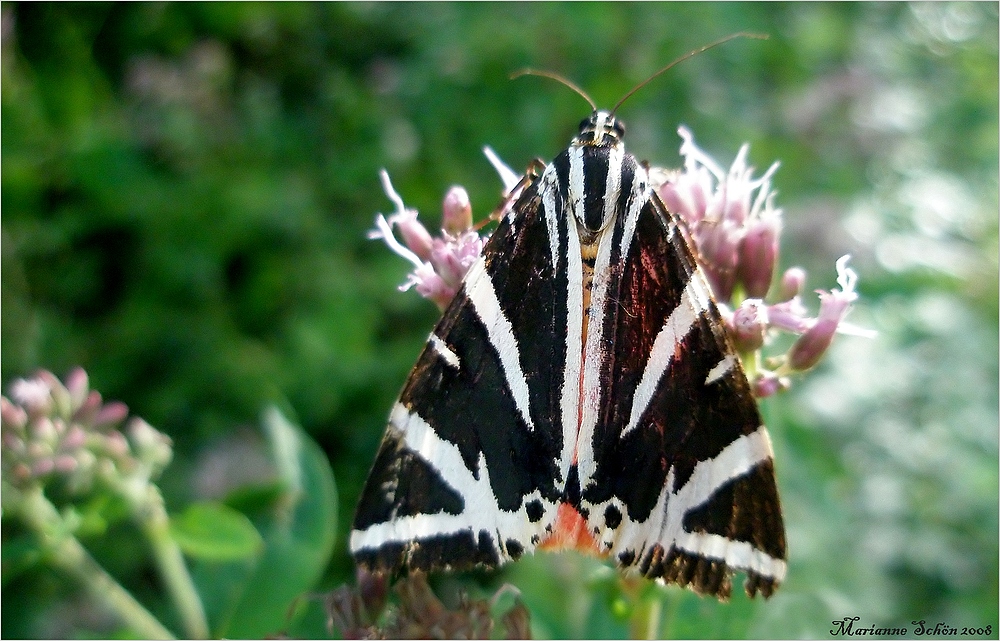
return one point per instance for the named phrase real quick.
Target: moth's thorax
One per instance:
(602, 181)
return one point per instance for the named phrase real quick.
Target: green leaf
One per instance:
(252, 598)
(213, 531)
(18, 554)
(99, 513)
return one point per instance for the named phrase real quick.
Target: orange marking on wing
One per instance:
(588, 252)
(570, 533)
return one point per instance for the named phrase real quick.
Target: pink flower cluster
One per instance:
(53, 431)
(734, 228)
(439, 263)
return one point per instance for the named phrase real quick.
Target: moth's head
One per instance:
(601, 129)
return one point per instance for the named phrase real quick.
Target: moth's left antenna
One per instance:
(554, 76)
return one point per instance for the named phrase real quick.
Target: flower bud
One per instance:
(43, 467)
(668, 194)
(106, 470)
(717, 245)
(115, 445)
(66, 463)
(12, 442)
(446, 263)
(34, 395)
(111, 414)
(38, 449)
(457, 211)
(687, 194)
(61, 401)
(415, 235)
(44, 430)
(86, 460)
(86, 408)
(758, 255)
(790, 315)
(13, 416)
(77, 384)
(75, 438)
(431, 286)
(769, 384)
(20, 473)
(833, 306)
(735, 204)
(151, 446)
(810, 347)
(750, 325)
(792, 282)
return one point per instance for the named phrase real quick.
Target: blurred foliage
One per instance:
(186, 190)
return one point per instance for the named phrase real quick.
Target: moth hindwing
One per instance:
(580, 392)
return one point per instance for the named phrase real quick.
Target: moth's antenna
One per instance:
(741, 34)
(554, 76)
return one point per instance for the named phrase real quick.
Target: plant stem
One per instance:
(156, 525)
(67, 553)
(654, 618)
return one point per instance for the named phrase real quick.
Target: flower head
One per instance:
(440, 263)
(731, 217)
(55, 432)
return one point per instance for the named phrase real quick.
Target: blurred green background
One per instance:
(186, 190)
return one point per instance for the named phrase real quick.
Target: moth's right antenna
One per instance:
(741, 34)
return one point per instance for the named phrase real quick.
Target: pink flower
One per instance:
(731, 216)
(834, 305)
(55, 430)
(440, 264)
(456, 211)
(750, 324)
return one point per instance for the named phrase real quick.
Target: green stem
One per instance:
(654, 618)
(671, 608)
(156, 525)
(647, 614)
(67, 553)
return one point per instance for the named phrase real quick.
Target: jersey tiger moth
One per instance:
(580, 392)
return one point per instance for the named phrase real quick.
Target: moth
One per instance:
(580, 392)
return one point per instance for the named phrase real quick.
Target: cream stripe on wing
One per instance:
(549, 187)
(676, 327)
(665, 524)
(616, 156)
(438, 345)
(735, 460)
(637, 200)
(574, 200)
(721, 368)
(594, 353)
(569, 401)
(479, 288)
(481, 511)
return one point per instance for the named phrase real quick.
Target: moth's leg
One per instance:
(531, 174)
